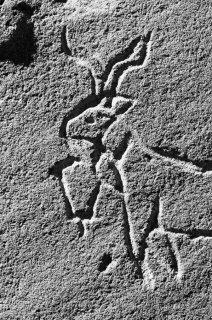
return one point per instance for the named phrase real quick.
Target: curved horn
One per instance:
(138, 53)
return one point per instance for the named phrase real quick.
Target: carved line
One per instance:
(129, 233)
(56, 170)
(132, 68)
(155, 223)
(173, 156)
(96, 83)
(173, 256)
(199, 168)
(192, 234)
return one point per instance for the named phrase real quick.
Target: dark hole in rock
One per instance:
(105, 261)
(90, 119)
(23, 7)
(147, 157)
(1, 2)
(20, 46)
(8, 22)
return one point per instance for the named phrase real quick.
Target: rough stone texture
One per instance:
(106, 159)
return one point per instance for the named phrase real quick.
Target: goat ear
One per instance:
(121, 105)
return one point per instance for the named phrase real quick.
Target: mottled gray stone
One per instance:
(106, 159)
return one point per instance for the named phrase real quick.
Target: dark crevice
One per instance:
(64, 45)
(147, 157)
(174, 264)
(68, 208)
(58, 167)
(88, 212)
(206, 165)
(24, 8)
(56, 171)
(203, 166)
(1, 2)
(90, 119)
(99, 148)
(147, 37)
(21, 46)
(120, 187)
(196, 233)
(152, 224)
(119, 183)
(123, 95)
(105, 261)
(118, 154)
(128, 242)
(120, 150)
(92, 201)
(93, 82)
(81, 228)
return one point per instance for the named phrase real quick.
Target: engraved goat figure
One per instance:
(90, 131)
(99, 139)
(97, 146)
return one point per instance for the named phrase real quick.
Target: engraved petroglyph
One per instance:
(100, 149)
(91, 123)
(89, 130)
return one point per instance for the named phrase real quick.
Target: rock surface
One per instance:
(106, 159)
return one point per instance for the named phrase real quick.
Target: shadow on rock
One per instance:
(18, 42)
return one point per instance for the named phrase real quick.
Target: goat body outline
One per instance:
(103, 101)
(104, 95)
(101, 114)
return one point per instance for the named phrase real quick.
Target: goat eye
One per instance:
(90, 119)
